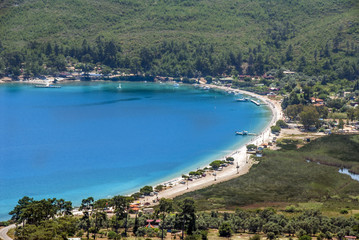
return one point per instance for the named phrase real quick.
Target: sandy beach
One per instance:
(241, 158)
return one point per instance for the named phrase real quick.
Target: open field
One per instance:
(286, 176)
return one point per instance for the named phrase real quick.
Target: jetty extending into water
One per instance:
(242, 99)
(256, 102)
(243, 133)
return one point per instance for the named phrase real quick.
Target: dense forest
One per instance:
(180, 38)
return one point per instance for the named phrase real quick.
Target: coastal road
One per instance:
(3, 232)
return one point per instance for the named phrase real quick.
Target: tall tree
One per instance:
(121, 204)
(165, 207)
(188, 214)
(18, 212)
(309, 116)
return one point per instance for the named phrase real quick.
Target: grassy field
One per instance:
(285, 176)
(338, 150)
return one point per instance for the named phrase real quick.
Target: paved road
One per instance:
(3, 232)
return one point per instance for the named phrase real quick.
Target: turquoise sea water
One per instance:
(93, 139)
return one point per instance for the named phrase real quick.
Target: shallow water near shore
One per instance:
(94, 139)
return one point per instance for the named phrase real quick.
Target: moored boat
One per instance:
(47, 86)
(242, 133)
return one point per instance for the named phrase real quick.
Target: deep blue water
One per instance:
(92, 139)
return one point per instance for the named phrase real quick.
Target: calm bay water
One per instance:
(93, 139)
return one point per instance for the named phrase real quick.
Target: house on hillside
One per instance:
(242, 77)
(265, 76)
(274, 88)
(317, 101)
(271, 94)
(287, 72)
(148, 211)
(226, 80)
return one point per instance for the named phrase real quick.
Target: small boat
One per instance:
(242, 133)
(48, 85)
(242, 99)
(176, 85)
(119, 86)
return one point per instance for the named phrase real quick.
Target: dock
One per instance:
(244, 133)
(255, 102)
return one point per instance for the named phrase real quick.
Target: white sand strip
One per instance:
(239, 155)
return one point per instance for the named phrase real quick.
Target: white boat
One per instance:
(119, 86)
(47, 85)
(242, 133)
(176, 85)
(242, 99)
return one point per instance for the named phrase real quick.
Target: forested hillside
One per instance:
(181, 38)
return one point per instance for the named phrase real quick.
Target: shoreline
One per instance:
(240, 156)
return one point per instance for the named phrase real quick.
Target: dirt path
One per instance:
(3, 232)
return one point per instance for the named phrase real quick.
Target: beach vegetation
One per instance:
(275, 129)
(146, 190)
(309, 117)
(251, 147)
(136, 195)
(216, 164)
(281, 124)
(229, 159)
(30, 211)
(102, 203)
(159, 188)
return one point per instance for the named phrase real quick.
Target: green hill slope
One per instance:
(231, 25)
(145, 22)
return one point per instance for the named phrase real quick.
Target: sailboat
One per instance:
(119, 86)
